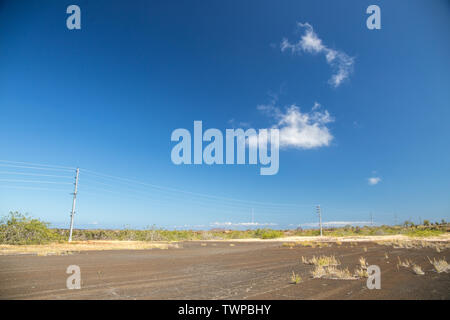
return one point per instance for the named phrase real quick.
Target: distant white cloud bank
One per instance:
(336, 223)
(241, 224)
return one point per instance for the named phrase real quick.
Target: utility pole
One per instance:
(371, 219)
(73, 205)
(320, 218)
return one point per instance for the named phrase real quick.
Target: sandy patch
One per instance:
(77, 246)
(443, 237)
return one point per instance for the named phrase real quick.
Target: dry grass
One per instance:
(77, 246)
(289, 245)
(295, 278)
(440, 265)
(417, 270)
(361, 273)
(386, 256)
(406, 264)
(306, 244)
(439, 246)
(409, 264)
(323, 261)
(331, 272)
(365, 249)
(363, 263)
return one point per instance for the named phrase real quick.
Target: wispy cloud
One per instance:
(235, 124)
(302, 130)
(373, 180)
(340, 62)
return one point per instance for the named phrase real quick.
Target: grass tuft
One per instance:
(323, 261)
(406, 264)
(361, 273)
(363, 263)
(295, 278)
(440, 265)
(417, 270)
(331, 272)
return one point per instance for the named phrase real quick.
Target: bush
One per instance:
(17, 228)
(268, 233)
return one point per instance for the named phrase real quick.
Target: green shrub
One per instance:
(424, 233)
(17, 228)
(268, 233)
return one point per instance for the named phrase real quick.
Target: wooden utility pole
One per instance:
(73, 205)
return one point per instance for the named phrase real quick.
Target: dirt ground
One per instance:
(221, 270)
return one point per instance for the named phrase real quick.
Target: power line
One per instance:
(180, 198)
(192, 193)
(33, 174)
(33, 181)
(31, 188)
(34, 168)
(168, 199)
(37, 164)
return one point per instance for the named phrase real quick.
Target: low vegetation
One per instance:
(154, 234)
(440, 265)
(415, 244)
(331, 272)
(323, 261)
(296, 278)
(361, 273)
(16, 228)
(363, 263)
(417, 270)
(405, 264)
(408, 228)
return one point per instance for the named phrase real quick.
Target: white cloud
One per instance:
(373, 180)
(302, 130)
(241, 224)
(340, 62)
(336, 223)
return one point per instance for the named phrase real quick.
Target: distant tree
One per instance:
(426, 222)
(408, 224)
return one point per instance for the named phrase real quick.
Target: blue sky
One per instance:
(107, 97)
